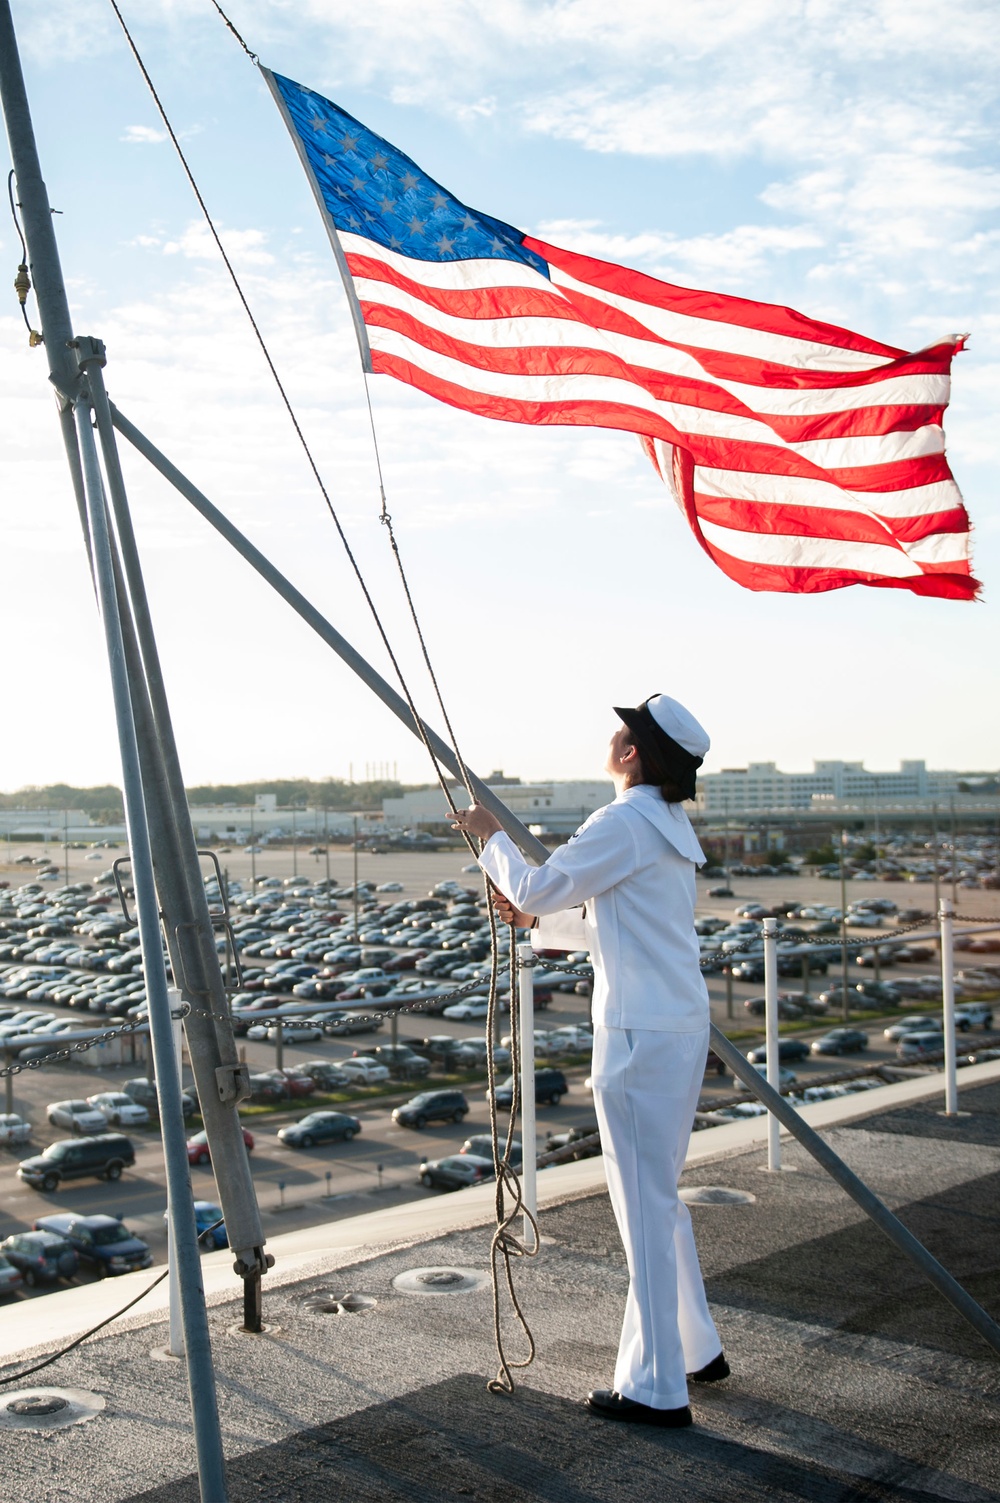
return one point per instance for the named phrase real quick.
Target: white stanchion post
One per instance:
(948, 997)
(175, 1345)
(526, 1030)
(771, 1036)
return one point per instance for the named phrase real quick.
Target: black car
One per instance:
(102, 1241)
(878, 991)
(480, 1145)
(787, 1049)
(42, 1257)
(75, 1158)
(431, 1106)
(456, 1172)
(840, 1041)
(550, 1088)
(320, 1127)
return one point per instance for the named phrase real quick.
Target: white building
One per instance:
(761, 786)
(544, 807)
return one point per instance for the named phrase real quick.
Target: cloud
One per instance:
(143, 135)
(245, 247)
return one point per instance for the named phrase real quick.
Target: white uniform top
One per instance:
(633, 864)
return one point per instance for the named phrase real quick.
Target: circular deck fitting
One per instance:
(325, 1302)
(715, 1195)
(49, 1408)
(440, 1281)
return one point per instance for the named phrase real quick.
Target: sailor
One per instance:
(624, 889)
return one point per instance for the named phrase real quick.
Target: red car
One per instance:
(198, 1150)
(293, 1082)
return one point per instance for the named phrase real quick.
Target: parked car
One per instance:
(455, 1172)
(878, 991)
(40, 1257)
(978, 1014)
(13, 1128)
(144, 1091)
(480, 1145)
(920, 1045)
(77, 1116)
(840, 1041)
(320, 1127)
(200, 1153)
(77, 1158)
(118, 1109)
(788, 1049)
(551, 1086)
(209, 1225)
(352, 1022)
(365, 1071)
(469, 1009)
(557, 1140)
(786, 1010)
(785, 1077)
(431, 1106)
(402, 1060)
(916, 1022)
(326, 1075)
(104, 1242)
(10, 1277)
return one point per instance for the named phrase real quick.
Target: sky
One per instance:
(837, 159)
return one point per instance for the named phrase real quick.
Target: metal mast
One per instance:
(166, 874)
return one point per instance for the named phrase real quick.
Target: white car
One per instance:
(574, 1035)
(468, 1010)
(78, 1116)
(364, 1071)
(119, 1109)
(389, 887)
(291, 1033)
(14, 1129)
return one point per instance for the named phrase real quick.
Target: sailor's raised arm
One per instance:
(601, 854)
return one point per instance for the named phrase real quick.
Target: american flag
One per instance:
(803, 456)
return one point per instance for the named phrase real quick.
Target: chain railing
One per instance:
(419, 1004)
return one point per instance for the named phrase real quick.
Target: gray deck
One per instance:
(852, 1379)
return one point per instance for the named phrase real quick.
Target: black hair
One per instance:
(657, 771)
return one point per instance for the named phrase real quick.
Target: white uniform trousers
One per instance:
(646, 1088)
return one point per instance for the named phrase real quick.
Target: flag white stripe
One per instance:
(799, 490)
(706, 333)
(621, 391)
(785, 551)
(870, 448)
(529, 331)
(734, 339)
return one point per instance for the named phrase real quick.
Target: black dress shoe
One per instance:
(712, 1372)
(613, 1405)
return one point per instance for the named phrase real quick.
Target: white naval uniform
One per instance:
(632, 864)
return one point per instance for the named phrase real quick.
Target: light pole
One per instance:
(843, 927)
(355, 879)
(934, 855)
(954, 857)
(326, 845)
(295, 847)
(253, 852)
(66, 844)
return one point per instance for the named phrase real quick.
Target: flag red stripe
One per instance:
(824, 522)
(769, 317)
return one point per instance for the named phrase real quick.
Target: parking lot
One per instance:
(296, 1187)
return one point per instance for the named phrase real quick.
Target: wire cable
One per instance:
(54, 1356)
(62, 1352)
(307, 451)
